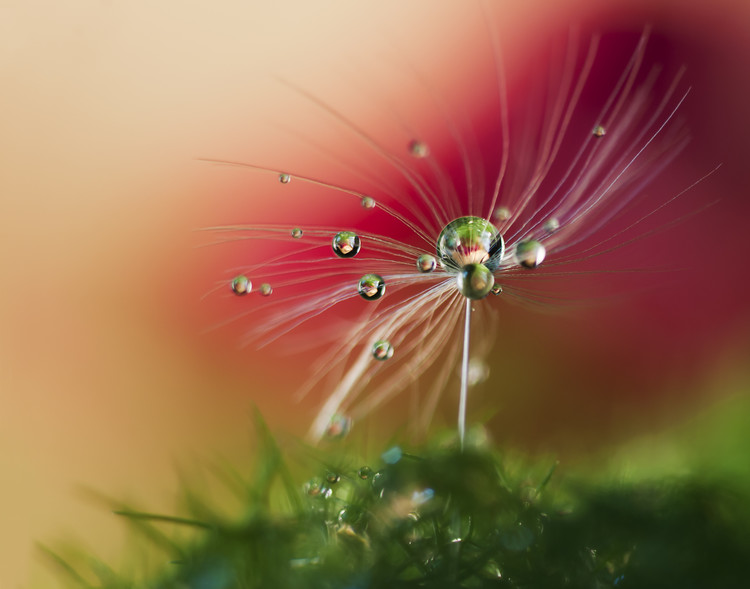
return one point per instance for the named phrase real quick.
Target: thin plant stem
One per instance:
(464, 377)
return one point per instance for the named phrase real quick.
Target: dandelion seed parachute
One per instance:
(547, 195)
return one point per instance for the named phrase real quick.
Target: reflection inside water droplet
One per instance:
(371, 287)
(364, 473)
(296, 233)
(346, 244)
(426, 263)
(501, 214)
(367, 202)
(419, 149)
(599, 131)
(470, 240)
(382, 350)
(475, 281)
(285, 178)
(529, 253)
(241, 285)
(496, 289)
(339, 426)
(551, 225)
(265, 289)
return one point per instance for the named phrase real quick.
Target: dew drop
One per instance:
(475, 281)
(241, 285)
(371, 287)
(333, 477)
(496, 289)
(382, 350)
(529, 253)
(501, 214)
(478, 371)
(364, 473)
(313, 487)
(265, 289)
(346, 244)
(296, 233)
(551, 225)
(419, 149)
(470, 240)
(339, 426)
(599, 131)
(426, 263)
(367, 202)
(285, 178)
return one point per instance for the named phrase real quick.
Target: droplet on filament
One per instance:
(346, 244)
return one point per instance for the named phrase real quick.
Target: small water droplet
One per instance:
(333, 477)
(371, 287)
(496, 289)
(313, 487)
(551, 225)
(346, 244)
(426, 263)
(265, 289)
(478, 371)
(367, 202)
(296, 233)
(501, 214)
(419, 149)
(530, 253)
(475, 281)
(241, 285)
(364, 473)
(339, 426)
(285, 178)
(599, 131)
(382, 350)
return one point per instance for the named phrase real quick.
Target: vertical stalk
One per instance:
(464, 377)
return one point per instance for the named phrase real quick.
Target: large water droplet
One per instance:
(529, 253)
(265, 289)
(241, 285)
(475, 281)
(470, 240)
(382, 350)
(599, 131)
(285, 178)
(426, 263)
(367, 202)
(501, 214)
(339, 426)
(371, 287)
(296, 233)
(346, 244)
(419, 149)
